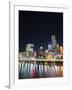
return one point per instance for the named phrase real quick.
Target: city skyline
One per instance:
(37, 28)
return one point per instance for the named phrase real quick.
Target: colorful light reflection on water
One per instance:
(28, 69)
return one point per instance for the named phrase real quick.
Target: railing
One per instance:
(34, 59)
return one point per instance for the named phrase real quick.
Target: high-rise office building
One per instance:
(49, 46)
(30, 49)
(54, 43)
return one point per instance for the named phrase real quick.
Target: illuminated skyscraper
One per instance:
(29, 47)
(49, 46)
(54, 43)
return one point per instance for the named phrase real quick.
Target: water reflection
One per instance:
(39, 69)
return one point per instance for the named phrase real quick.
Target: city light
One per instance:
(46, 62)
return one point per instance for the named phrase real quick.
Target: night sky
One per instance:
(37, 28)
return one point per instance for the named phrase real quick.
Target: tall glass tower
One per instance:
(54, 42)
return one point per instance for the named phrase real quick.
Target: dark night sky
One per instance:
(37, 27)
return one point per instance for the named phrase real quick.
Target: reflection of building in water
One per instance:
(38, 69)
(54, 43)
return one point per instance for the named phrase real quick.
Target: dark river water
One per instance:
(39, 69)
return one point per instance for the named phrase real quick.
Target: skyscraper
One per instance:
(49, 46)
(54, 43)
(29, 49)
